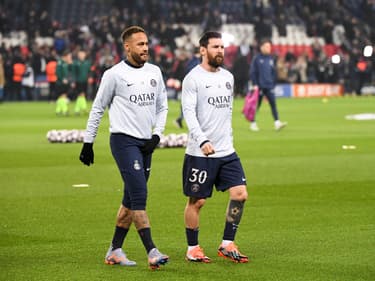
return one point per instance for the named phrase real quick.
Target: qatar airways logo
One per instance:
(220, 101)
(143, 99)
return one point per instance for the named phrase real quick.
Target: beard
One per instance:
(216, 61)
(140, 59)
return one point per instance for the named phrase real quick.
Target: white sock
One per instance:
(191, 247)
(225, 243)
(151, 251)
(277, 123)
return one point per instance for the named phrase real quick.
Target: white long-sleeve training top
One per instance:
(136, 99)
(207, 100)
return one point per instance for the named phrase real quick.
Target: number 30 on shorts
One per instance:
(197, 175)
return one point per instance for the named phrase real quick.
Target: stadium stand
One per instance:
(305, 34)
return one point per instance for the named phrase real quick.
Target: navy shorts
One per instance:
(200, 174)
(134, 168)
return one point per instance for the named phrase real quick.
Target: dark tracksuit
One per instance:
(263, 74)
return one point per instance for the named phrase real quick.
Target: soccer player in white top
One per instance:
(134, 92)
(210, 158)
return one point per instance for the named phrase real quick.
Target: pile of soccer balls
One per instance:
(173, 140)
(68, 136)
(65, 136)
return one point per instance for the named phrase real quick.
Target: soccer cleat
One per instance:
(155, 259)
(231, 252)
(279, 125)
(254, 127)
(196, 255)
(118, 257)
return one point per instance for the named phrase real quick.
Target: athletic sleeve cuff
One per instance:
(202, 143)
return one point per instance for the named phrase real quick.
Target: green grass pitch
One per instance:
(310, 214)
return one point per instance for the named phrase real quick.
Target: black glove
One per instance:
(150, 145)
(87, 154)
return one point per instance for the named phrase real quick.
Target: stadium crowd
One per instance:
(344, 25)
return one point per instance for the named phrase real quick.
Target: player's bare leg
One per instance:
(115, 253)
(124, 217)
(238, 196)
(195, 252)
(142, 224)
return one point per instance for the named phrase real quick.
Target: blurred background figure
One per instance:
(363, 72)
(263, 78)
(82, 68)
(190, 63)
(281, 70)
(51, 76)
(2, 79)
(28, 83)
(240, 71)
(19, 69)
(66, 76)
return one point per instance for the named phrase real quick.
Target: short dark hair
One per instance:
(264, 41)
(130, 31)
(203, 42)
(66, 52)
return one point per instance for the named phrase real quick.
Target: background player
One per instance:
(263, 77)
